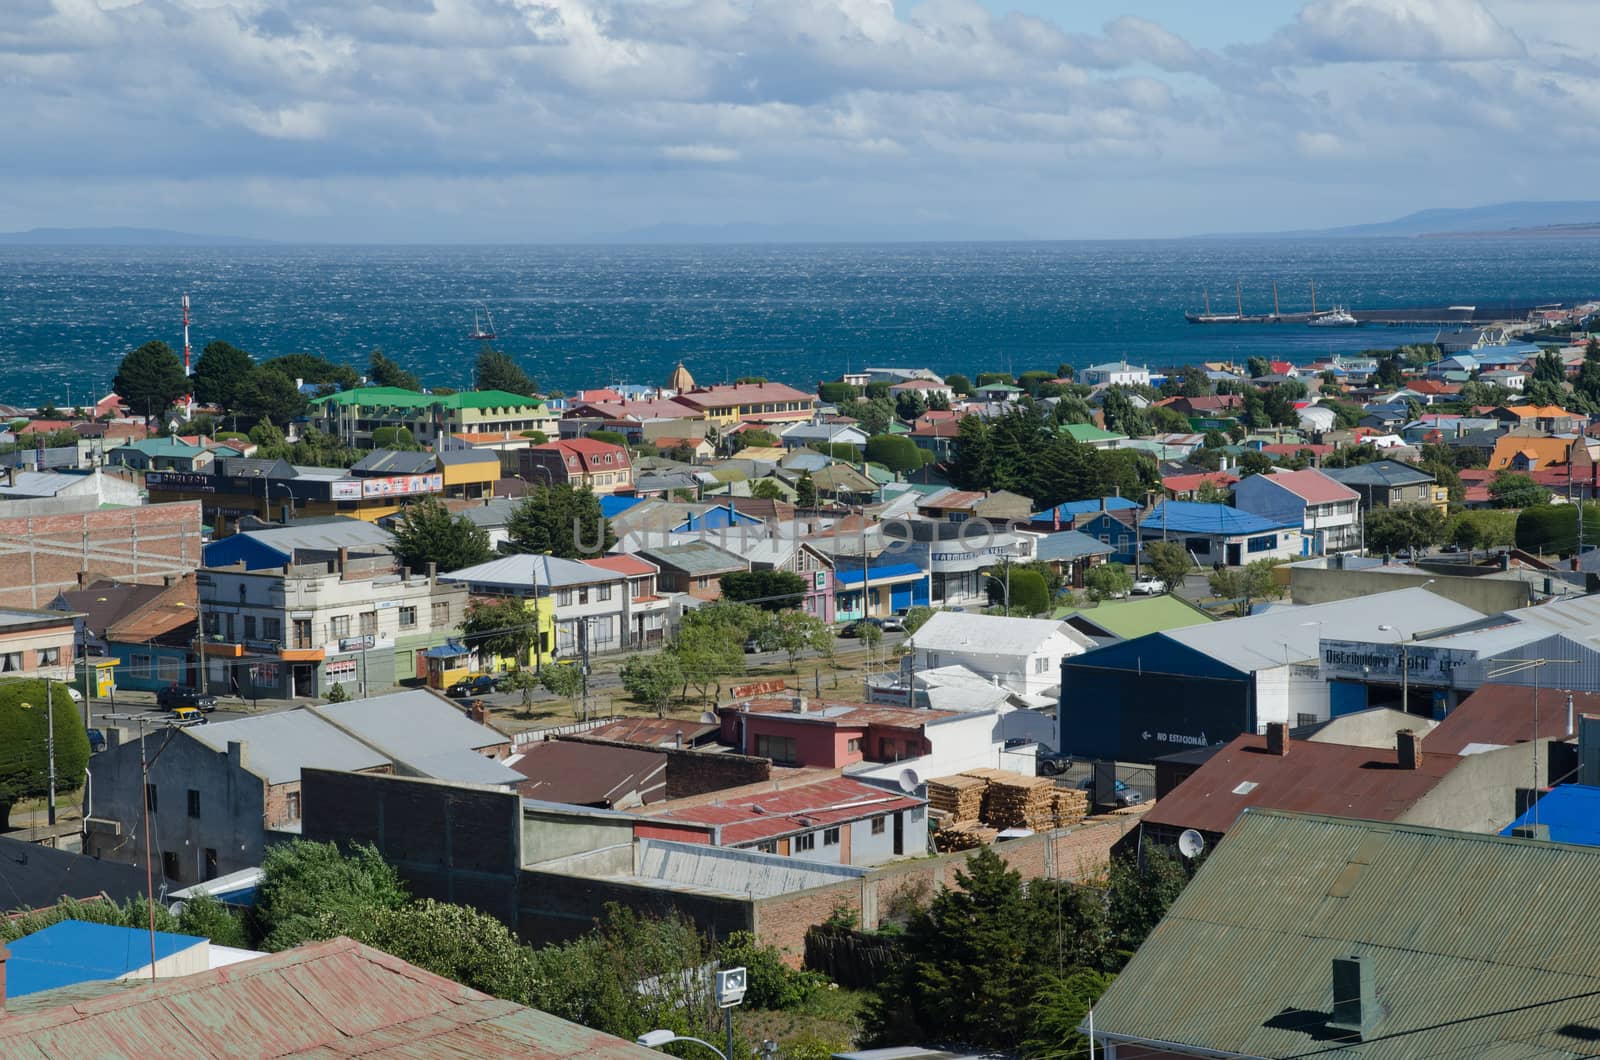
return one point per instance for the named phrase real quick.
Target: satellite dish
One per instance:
(909, 781)
(1191, 843)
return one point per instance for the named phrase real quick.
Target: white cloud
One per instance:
(1418, 30)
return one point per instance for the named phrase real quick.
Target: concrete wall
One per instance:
(232, 806)
(1283, 693)
(1314, 585)
(569, 830)
(1480, 795)
(451, 843)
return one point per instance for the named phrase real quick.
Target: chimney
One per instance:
(344, 557)
(1355, 997)
(1408, 749)
(677, 739)
(478, 712)
(83, 579)
(1277, 738)
(798, 704)
(166, 581)
(238, 754)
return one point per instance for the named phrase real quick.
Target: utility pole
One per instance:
(583, 654)
(50, 747)
(200, 632)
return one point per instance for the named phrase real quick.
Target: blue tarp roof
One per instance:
(76, 951)
(1571, 810)
(1196, 517)
(612, 505)
(879, 573)
(1071, 508)
(450, 649)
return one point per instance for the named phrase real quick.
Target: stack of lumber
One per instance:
(960, 796)
(1069, 806)
(964, 835)
(1019, 801)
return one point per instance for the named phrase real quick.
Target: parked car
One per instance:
(1051, 764)
(1124, 795)
(188, 716)
(175, 696)
(1146, 585)
(893, 624)
(97, 741)
(854, 628)
(77, 697)
(476, 685)
(752, 645)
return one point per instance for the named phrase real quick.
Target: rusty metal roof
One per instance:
(798, 809)
(1313, 777)
(1499, 715)
(325, 1000)
(1480, 946)
(654, 732)
(591, 774)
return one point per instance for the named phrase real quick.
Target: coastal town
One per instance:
(963, 716)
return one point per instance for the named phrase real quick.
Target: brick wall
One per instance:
(41, 555)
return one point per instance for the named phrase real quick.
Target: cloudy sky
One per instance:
(535, 120)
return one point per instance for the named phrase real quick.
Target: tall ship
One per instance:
(1337, 317)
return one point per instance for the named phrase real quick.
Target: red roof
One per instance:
(744, 394)
(599, 394)
(850, 715)
(1325, 778)
(799, 809)
(631, 566)
(954, 500)
(1281, 367)
(1433, 386)
(1501, 715)
(336, 998)
(637, 409)
(936, 429)
(588, 452)
(1313, 487)
(1186, 483)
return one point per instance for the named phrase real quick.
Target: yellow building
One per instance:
(353, 415)
(469, 473)
(731, 403)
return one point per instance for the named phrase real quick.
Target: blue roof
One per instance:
(879, 572)
(1070, 508)
(1195, 517)
(1069, 545)
(612, 505)
(76, 951)
(1571, 810)
(450, 649)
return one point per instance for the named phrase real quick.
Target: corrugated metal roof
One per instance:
(78, 951)
(279, 745)
(324, 1000)
(1136, 618)
(519, 571)
(330, 534)
(410, 726)
(694, 558)
(1197, 517)
(591, 774)
(798, 809)
(990, 634)
(395, 462)
(1480, 946)
(1501, 714)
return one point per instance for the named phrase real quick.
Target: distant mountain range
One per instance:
(827, 232)
(1506, 219)
(122, 237)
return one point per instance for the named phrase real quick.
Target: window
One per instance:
(49, 656)
(302, 634)
(805, 842)
(702, 583)
(249, 627)
(194, 803)
(879, 824)
(769, 846)
(830, 837)
(1041, 665)
(1302, 720)
(150, 800)
(211, 863)
(916, 813)
(169, 864)
(340, 671)
(1265, 543)
(441, 613)
(369, 622)
(564, 598)
(854, 746)
(291, 805)
(339, 626)
(780, 749)
(141, 665)
(583, 595)
(168, 670)
(11, 662)
(602, 593)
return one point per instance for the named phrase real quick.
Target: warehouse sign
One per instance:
(1389, 663)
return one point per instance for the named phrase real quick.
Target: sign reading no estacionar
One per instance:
(1391, 663)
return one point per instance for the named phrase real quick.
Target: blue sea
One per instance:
(592, 315)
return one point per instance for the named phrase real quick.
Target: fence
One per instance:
(521, 739)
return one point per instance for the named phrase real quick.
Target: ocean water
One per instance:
(585, 316)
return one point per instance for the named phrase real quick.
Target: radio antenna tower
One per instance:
(188, 402)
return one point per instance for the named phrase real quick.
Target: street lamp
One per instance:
(1405, 666)
(656, 1039)
(287, 492)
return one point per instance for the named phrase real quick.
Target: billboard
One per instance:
(401, 485)
(180, 480)
(1351, 660)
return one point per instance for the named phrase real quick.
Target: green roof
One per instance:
(398, 397)
(1088, 432)
(162, 447)
(1478, 946)
(1137, 618)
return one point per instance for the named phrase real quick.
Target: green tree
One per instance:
(757, 439)
(1029, 594)
(653, 679)
(959, 383)
(268, 394)
(1122, 414)
(1245, 585)
(310, 891)
(1587, 384)
(1547, 368)
(563, 681)
(910, 404)
(767, 489)
(1547, 529)
(610, 437)
(896, 452)
(1516, 489)
(427, 532)
(916, 618)
(384, 372)
(337, 693)
(1415, 526)
(503, 628)
(397, 438)
(1139, 897)
(218, 372)
(834, 393)
(499, 371)
(710, 644)
(1169, 561)
(974, 461)
(1352, 456)
(805, 491)
(1257, 367)
(1211, 493)
(28, 706)
(313, 369)
(793, 632)
(1108, 581)
(203, 915)
(457, 942)
(560, 520)
(151, 379)
(1059, 1008)
(772, 590)
(873, 415)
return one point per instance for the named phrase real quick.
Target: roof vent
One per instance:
(1355, 996)
(1245, 787)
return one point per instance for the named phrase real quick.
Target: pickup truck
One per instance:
(175, 696)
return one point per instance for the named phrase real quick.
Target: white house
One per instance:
(1115, 373)
(1021, 654)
